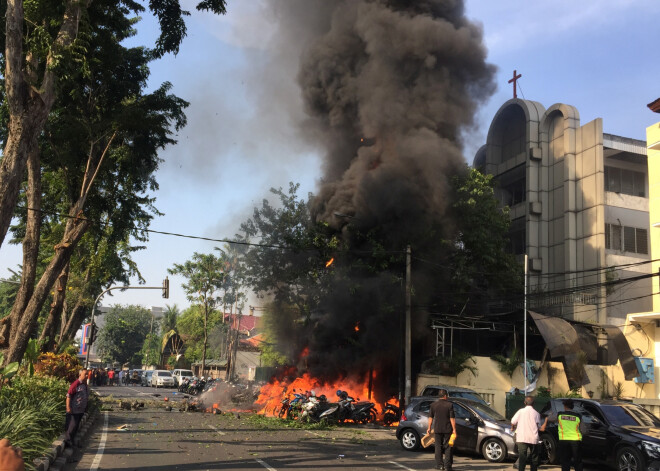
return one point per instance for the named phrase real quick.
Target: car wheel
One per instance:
(550, 445)
(409, 440)
(629, 459)
(493, 450)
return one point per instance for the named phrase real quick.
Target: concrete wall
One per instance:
(491, 383)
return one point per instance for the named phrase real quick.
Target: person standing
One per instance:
(76, 404)
(526, 423)
(569, 426)
(442, 420)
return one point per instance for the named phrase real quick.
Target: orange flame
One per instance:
(329, 262)
(357, 327)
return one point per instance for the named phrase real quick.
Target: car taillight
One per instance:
(403, 417)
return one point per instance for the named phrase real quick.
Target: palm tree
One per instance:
(168, 322)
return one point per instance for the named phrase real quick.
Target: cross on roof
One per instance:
(514, 80)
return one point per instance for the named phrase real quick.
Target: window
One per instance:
(627, 239)
(629, 182)
(461, 412)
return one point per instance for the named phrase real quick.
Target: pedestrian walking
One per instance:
(111, 377)
(442, 421)
(526, 423)
(76, 404)
(569, 425)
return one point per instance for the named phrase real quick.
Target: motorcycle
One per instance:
(391, 414)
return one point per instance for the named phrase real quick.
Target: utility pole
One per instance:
(408, 385)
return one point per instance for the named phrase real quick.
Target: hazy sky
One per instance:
(242, 136)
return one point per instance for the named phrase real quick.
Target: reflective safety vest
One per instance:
(569, 426)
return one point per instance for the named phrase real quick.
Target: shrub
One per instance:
(63, 366)
(32, 411)
(450, 366)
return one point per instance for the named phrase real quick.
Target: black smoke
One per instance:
(389, 87)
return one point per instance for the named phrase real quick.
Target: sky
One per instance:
(243, 136)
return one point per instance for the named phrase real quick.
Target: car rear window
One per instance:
(185, 373)
(468, 395)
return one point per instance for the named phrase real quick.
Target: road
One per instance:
(153, 439)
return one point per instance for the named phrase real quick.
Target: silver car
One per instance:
(162, 378)
(479, 429)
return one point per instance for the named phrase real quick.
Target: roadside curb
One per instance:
(60, 454)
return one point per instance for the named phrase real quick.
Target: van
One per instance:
(178, 375)
(161, 378)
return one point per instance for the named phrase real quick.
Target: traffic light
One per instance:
(93, 330)
(166, 288)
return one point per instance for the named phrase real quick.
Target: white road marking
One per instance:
(401, 466)
(219, 431)
(99, 452)
(265, 465)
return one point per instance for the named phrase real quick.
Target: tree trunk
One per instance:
(206, 318)
(78, 314)
(75, 229)
(54, 316)
(28, 105)
(31, 239)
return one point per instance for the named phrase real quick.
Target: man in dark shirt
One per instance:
(441, 419)
(76, 404)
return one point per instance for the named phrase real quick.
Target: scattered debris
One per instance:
(124, 428)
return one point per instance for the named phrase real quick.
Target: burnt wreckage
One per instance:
(573, 343)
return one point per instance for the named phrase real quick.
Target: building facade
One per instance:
(579, 206)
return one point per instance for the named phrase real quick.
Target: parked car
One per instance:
(146, 377)
(162, 378)
(617, 434)
(178, 375)
(454, 391)
(479, 429)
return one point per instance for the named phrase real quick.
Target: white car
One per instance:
(178, 375)
(162, 378)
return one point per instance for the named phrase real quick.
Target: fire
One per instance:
(357, 327)
(271, 395)
(329, 262)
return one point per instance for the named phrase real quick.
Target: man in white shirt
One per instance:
(526, 422)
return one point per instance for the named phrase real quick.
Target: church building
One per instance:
(579, 206)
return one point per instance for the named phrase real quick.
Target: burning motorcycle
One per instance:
(391, 414)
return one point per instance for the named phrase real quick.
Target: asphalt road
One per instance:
(153, 439)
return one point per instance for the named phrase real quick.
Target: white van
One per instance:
(162, 378)
(178, 375)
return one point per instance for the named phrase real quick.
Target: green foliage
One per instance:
(190, 326)
(31, 355)
(543, 391)
(7, 371)
(574, 393)
(451, 366)
(509, 364)
(151, 352)
(32, 411)
(262, 422)
(124, 332)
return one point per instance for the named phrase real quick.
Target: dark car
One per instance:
(479, 429)
(454, 391)
(616, 434)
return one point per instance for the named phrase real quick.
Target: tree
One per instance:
(190, 326)
(99, 152)
(205, 275)
(168, 322)
(41, 45)
(123, 335)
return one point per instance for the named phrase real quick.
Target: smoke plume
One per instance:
(388, 86)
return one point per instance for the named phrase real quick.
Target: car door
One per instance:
(594, 432)
(467, 428)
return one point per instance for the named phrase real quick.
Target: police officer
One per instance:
(570, 436)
